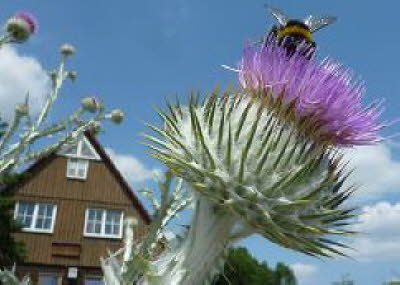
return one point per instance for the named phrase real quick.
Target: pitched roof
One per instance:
(111, 166)
(108, 163)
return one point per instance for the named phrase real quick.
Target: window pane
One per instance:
(25, 213)
(82, 167)
(39, 223)
(47, 224)
(92, 214)
(113, 226)
(89, 227)
(97, 228)
(81, 173)
(44, 216)
(71, 172)
(86, 151)
(116, 230)
(94, 281)
(71, 149)
(48, 279)
(108, 229)
(93, 224)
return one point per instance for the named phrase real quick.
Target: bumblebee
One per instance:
(297, 34)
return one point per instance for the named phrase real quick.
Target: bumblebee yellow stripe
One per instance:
(295, 30)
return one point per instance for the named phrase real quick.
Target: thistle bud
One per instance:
(21, 26)
(67, 50)
(90, 104)
(21, 109)
(117, 116)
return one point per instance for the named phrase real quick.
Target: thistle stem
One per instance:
(200, 256)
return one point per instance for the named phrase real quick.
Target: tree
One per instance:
(241, 268)
(11, 251)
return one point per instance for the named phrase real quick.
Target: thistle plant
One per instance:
(8, 277)
(25, 129)
(15, 151)
(136, 257)
(264, 159)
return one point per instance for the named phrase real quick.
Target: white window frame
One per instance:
(76, 173)
(35, 216)
(79, 154)
(102, 234)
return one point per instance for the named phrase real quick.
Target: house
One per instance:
(73, 205)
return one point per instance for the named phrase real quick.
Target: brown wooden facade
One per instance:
(104, 188)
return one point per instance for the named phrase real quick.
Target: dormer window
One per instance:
(79, 154)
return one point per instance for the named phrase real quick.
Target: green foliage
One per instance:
(11, 251)
(243, 269)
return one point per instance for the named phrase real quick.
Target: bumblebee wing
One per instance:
(279, 16)
(317, 23)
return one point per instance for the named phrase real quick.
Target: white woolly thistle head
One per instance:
(251, 160)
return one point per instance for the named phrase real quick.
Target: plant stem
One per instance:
(195, 261)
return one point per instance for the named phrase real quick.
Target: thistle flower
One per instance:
(325, 91)
(248, 163)
(67, 49)
(21, 26)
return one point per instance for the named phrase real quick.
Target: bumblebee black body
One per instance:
(297, 35)
(294, 36)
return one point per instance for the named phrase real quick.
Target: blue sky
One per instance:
(134, 54)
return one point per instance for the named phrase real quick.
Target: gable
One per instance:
(104, 184)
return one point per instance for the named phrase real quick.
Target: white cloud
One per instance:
(18, 76)
(375, 170)
(381, 223)
(304, 272)
(133, 170)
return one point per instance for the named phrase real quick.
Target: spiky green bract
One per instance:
(248, 160)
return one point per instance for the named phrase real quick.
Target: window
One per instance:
(77, 168)
(80, 149)
(94, 281)
(49, 279)
(79, 154)
(103, 223)
(36, 217)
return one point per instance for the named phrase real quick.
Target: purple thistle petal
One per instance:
(323, 90)
(29, 19)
